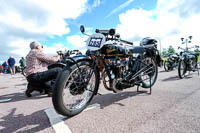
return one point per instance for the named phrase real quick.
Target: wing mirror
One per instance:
(82, 28)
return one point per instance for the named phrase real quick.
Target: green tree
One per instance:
(171, 50)
(197, 50)
(164, 52)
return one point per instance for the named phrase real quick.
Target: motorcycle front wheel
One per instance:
(181, 69)
(152, 72)
(167, 66)
(70, 95)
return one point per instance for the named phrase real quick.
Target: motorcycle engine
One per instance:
(118, 68)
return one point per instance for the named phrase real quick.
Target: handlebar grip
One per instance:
(131, 43)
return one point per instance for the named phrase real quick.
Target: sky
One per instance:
(55, 23)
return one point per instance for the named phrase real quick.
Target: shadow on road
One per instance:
(176, 78)
(162, 71)
(23, 123)
(15, 97)
(171, 78)
(111, 98)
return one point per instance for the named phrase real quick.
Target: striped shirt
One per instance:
(37, 61)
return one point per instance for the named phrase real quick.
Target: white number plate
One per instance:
(95, 42)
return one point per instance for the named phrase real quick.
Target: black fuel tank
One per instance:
(114, 50)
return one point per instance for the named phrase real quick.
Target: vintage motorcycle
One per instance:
(188, 62)
(171, 62)
(121, 66)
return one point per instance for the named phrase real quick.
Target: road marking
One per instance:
(57, 122)
(5, 100)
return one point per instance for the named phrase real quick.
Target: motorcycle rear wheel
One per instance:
(153, 74)
(70, 97)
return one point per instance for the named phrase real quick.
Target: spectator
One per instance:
(36, 69)
(22, 62)
(5, 67)
(11, 64)
(1, 69)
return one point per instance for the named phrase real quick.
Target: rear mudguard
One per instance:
(75, 59)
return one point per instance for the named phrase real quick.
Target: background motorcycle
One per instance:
(171, 62)
(121, 66)
(188, 62)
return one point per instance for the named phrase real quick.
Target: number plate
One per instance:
(95, 42)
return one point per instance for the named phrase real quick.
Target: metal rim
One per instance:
(145, 75)
(78, 100)
(182, 68)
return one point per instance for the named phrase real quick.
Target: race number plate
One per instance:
(95, 41)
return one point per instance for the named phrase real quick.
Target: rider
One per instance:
(36, 70)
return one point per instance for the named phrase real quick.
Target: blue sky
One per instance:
(55, 23)
(98, 18)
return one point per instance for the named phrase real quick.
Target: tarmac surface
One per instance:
(173, 107)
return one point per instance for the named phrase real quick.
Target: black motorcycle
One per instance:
(171, 62)
(188, 62)
(120, 64)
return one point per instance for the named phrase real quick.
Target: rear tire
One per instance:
(70, 82)
(154, 73)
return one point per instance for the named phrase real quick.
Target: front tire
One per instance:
(181, 69)
(70, 97)
(167, 66)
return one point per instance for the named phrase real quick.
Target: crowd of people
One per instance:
(9, 66)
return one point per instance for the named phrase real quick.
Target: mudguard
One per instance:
(57, 64)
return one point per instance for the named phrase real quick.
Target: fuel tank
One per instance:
(114, 50)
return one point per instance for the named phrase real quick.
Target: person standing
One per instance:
(5, 67)
(1, 69)
(22, 62)
(11, 65)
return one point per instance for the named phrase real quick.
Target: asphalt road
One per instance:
(173, 107)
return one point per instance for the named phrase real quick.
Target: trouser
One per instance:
(42, 79)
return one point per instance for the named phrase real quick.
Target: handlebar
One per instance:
(68, 52)
(131, 43)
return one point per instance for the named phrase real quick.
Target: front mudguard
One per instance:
(57, 64)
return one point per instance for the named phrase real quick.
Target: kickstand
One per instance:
(150, 86)
(138, 88)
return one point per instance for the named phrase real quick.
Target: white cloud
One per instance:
(22, 21)
(122, 6)
(171, 20)
(77, 41)
(96, 3)
(51, 50)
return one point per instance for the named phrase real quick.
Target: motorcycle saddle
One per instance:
(191, 56)
(137, 49)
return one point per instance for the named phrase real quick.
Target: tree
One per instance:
(171, 50)
(164, 52)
